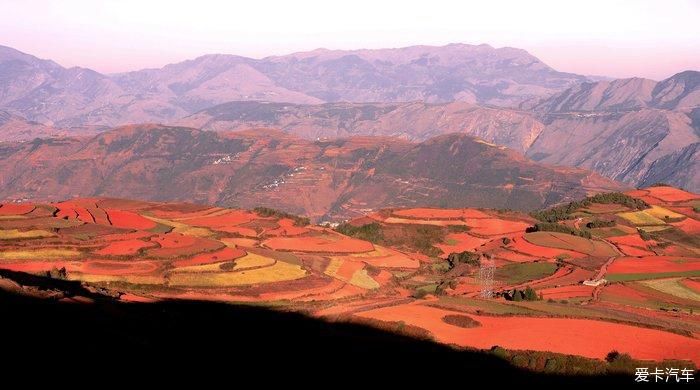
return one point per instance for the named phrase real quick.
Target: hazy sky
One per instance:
(652, 39)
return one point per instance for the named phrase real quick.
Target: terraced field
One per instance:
(625, 271)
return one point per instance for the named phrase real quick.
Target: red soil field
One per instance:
(84, 215)
(671, 194)
(688, 225)
(16, 208)
(176, 245)
(136, 298)
(243, 231)
(693, 284)
(631, 240)
(347, 291)
(512, 256)
(225, 254)
(234, 217)
(440, 214)
(331, 286)
(563, 276)
(67, 213)
(589, 338)
(129, 220)
(124, 248)
(495, 227)
(101, 267)
(653, 264)
(287, 228)
(634, 251)
(637, 193)
(465, 242)
(428, 213)
(126, 236)
(623, 291)
(174, 240)
(676, 250)
(394, 260)
(182, 210)
(99, 215)
(327, 244)
(348, 268)
(521, 245)
(575, 291)
(244, 242)
(41, 266)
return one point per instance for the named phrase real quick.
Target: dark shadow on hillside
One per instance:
(223, 340)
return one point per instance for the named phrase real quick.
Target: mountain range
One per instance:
(636, 131)
(43, 91)
(330, 179)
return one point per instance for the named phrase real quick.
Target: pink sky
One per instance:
(653, 39)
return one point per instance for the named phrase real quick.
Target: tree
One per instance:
(530, 294)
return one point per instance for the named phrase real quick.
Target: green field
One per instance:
(646, 276)
(522, 272)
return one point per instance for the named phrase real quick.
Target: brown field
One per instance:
(321, 244)
(520, 244)
(225, 254)
(564, 292)
(460, 242)
(570, 242)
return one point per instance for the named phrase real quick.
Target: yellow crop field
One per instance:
(363, 280)
(17, 234)
(672, 287)
(251, 260)
(179, 227)
(661, 213)
(213, 267)
(641, 218)
(278, 272)
(377, 252)
(39, 254)
(130, 279)
(651, 229)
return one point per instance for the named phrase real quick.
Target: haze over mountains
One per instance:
(636, 131)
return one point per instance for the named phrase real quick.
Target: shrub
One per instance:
(563, 212)
(458, 228)
(56, 273)
(555, 227)
(371, 232)
(599, 224)
(465, 257)
(644, 235)
(419, 294)
(506, 241)
(461, 320)
(269, 212)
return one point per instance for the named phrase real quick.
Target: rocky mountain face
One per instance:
(679, 92)
(618, 128)
(323, 179)
(43, 91)
(414, 121)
